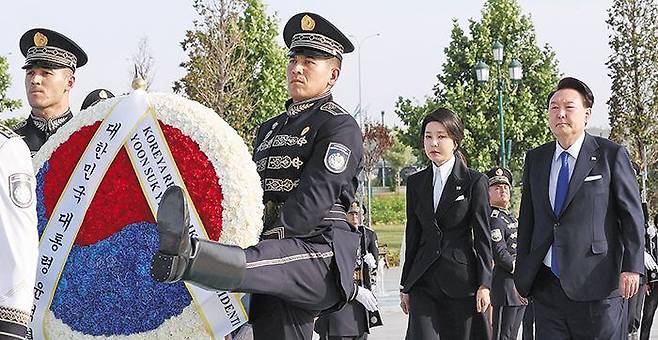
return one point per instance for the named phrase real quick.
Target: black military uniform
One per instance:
(506, 301)
(47, 49)
(350, 322)
(94, 97)
(308, 158)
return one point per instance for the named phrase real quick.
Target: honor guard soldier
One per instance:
(18, 235)
(94, 97)
(508, 304)
(351, 322)
(50, 63)
(308, 158)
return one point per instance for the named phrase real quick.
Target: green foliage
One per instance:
(235, 65)
(388, 208)
(5, 82)
(457, 87)
(11, 122)
(397, 157)
(633, 65)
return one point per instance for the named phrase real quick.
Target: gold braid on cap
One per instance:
(318, 42)
(51, 54)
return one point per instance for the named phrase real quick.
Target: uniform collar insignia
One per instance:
(294, 109)
(51, 125)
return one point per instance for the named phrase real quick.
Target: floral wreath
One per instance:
(105, 290)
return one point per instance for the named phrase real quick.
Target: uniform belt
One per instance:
(273, 209)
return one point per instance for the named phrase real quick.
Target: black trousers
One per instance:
(292, 281)
(362, 337)
(557, 317)
(529, 321)
(506, 322)
(650, 304)
(435, 315)
(634, 310)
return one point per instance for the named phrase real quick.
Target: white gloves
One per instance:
(649, 262)
(370, 261)
(366, 298)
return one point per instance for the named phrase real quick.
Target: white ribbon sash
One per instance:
(132, 123)
(68, 215)
(155, 167)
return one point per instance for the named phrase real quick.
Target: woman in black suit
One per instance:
(447, 270)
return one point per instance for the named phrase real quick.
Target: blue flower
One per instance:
(106, 288)
(41, 206)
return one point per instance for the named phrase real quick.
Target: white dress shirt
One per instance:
(556, 164)
(440, 177)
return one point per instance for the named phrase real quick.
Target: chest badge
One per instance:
(305, 130)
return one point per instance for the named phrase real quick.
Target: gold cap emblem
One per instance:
(40, 39)
(102, 94)
(308, 24)
(499, 172)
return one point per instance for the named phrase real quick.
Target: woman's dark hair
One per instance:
(452, 123)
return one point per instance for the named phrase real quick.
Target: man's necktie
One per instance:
(560, 195)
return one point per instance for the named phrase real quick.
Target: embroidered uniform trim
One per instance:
(50, 125)
(317, 41)
(278, 231)
(288, 259)
(284, 162)
(14, 315)
(279, 184)
(295, 109)
(261, 164)
(282, 140)
(333, 108)
(52, 54)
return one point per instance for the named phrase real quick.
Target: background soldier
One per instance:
(50, 63)
(508, 304)
(18, 235)
(94, 97)
(351, 322)
(308, 159)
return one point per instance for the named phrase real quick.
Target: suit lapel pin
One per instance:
(593, 158)
(458, 188)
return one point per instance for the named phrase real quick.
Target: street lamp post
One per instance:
(359, 112)
(383, 161)
(515, 74)
(359, 43)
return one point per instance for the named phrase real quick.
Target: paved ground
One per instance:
(395, 322)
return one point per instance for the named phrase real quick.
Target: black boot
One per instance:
(173, 256)
(205, 263)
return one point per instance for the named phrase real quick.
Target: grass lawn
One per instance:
(391, 236)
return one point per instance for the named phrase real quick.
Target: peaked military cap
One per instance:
(574, 84)
(499, 175)
(46, 48)
(94, 97)
(312, 35)
(357, 208)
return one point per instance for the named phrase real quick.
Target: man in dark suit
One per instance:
(581, 230)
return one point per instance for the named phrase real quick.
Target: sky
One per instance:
(400, 56)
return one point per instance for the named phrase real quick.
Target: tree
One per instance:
(633, 65)
(376, 141)
(235, 65)
(5, 80)
(143, 63)
(397, 157)
(477, 104)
